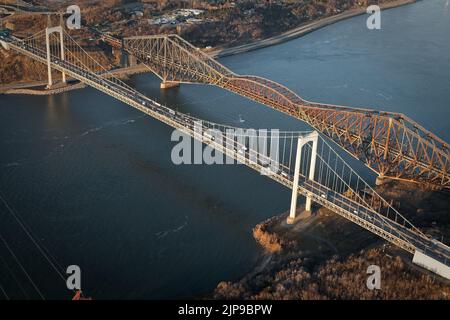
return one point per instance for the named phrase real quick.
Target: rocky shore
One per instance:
(326, 256)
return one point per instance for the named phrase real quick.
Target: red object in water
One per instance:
(79, 296)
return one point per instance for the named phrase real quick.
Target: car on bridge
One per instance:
(286, 175)
(263, 162)
(209, 136)
(241, 149)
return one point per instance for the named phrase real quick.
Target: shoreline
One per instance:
(23, 88)
(326, 256)
(27, 88)
(300, 30)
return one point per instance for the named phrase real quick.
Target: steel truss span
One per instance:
(391, 144)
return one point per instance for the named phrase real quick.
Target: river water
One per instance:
(94, 181)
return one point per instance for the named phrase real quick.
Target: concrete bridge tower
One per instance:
(48, 32)
(302, 141)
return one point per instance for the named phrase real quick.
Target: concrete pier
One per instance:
(132, 61)
(431, 264)
(380, 180)
(169, 84)
(305, 214)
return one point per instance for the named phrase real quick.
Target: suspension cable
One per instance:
(33, 240)
(14, 277)
(4, 292)
(22, 267)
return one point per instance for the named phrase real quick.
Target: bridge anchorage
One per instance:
(306, 163)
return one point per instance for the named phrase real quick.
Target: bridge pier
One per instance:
(169, 84)
(132, 61)
(380, 180)
(313, 137)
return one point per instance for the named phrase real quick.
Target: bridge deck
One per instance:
(356, 212)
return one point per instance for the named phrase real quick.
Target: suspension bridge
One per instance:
(301, 161)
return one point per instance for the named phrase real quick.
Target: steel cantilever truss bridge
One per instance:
(327, 179)
(391, 144)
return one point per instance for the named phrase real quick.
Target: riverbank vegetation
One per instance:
(326, 256)
(213, 23)
(339, 279)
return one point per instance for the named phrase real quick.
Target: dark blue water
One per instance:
(94, 180)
